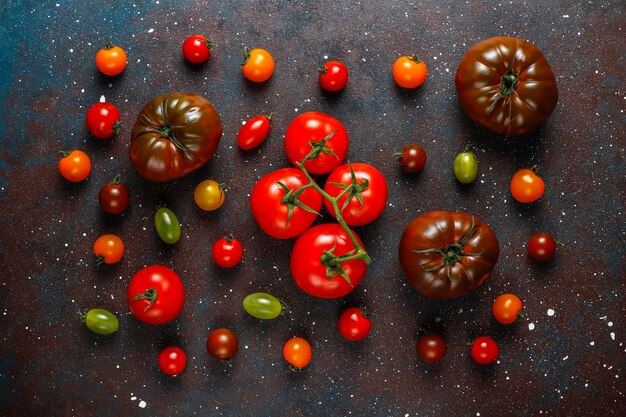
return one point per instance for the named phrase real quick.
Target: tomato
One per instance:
(367, 196)
(75, 166)
(209, 195)
(445, 254)
(167, 225)
(263, 306)
(108, 249)
(542, 246)
(412, 158)
(227, 252)
(506, 85)
(254, 132)
(297, 351)
(174, 135)
(465, 166)
(197, 49)
(506, 308)
(284, 211)
(257, 65)
(527, 186)
(354, 323)
(222, 344)
(111, 60)
(431, 348)
(409, 71)
(333, 76)
(155, 295)
(114, 196)
(484, 350)
(100, 321)
(313, 267)
(172, 360)
(315, 127)
(103, 120)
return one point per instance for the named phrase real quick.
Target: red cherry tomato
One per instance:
(333, 76)
(227, 252)
(155, 295)
(254, 132)
(75, 166)
(485, 350)
(197, 49)
(172, 360)
(412, 158)
(526, 186)
(222, 344)
(103, 120)
(431, 348)
(354, 324)
(506, 308)
(542, 246)
(297, 351)
(114, 196)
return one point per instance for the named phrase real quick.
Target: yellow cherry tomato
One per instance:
(409, 72)
(209, 195)
(257, 65)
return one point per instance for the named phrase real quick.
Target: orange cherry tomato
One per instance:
(527, 186)
(297, 352)
(507, 308)
(111, 60)
(257, 65)
(108, 249)
(409, 72)
(75, 166)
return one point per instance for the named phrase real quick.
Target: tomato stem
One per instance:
(269, 117)
(99, 259)
(117, 179)
(150, 294)
(246, 55)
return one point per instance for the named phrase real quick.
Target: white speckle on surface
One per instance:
(102, 99)
(550, 312)
(612, 334)
(133, 398)
(531, 326)
(150, 30)
(592, 343)
(142, 404)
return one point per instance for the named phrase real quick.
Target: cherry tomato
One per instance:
(100, 321)
(355, 324)
(409, 71)
(114, 196)
(197, 49)
(297, 351)
(431, 348)
(75, 166)
(333, 76)
(506, 308)
(257, 65)
(263, 306)
(254, 132)
(527, 186)
(412, 158)
(209, 195)
(172, 360)
(542, 246)
(167, 225)
(108, 249)
(227, 252)
(155, 295)
(111, 60)
(485, 350)
(465, 166)
(103, 120)
(222, 344)
(367, 198)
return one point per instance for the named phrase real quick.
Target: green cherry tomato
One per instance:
(263, 306)
(465, 166)
(167, 225)
(100, 321)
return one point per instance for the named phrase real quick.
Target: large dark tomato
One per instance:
(155, 295)
(506, 85)
(310, 266)
(314, 126)
(174, 135)
(271, 203)
(445, 254)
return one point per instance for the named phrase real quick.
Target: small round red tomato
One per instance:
(222, 344)
(485, 350)
(354, 323)
(333, 76)
(314, 267)
(257, 65)
(297, 351)
(314, 127)
(227, 252)
(172, 360)
(114, 196)
(254, 132)
(103, 120)
(155, 295)
(279, 205)
(75, 166)
(542, 246)
(111, 60)
(197, 49)
(409, 71)
(108, 249)
(412, 158)
(367, 196)
(431, 348)
(506, 308)
(527, 186)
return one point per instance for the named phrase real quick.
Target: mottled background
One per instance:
(569, 363)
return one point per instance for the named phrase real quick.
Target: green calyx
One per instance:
(150, 294)
(318, 148)
(333, 263)
(508, 82)
(246, 55)
(166, 129)
(291, 200)
(354, 189)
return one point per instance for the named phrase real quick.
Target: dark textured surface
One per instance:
(570, 363)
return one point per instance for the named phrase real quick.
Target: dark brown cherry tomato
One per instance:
(542, 246)
(412, 158)
(431, 348)
(114, 196)
(254, 132)
(222, 344)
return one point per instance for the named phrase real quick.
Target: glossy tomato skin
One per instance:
(374, 196)
(222, 344)
(431, 348)
(167, 225)
(258, 65)
(527, 186)
(103, 120)
(108, 249)
(263, 306)
(412, 158)
(172, 360)
(409, 72)
(333, 76)
(254, 132)
(542, 246)
(75, 166)
(308, 271)
(197, 49)
(100, 321)
(111, 60)
(169, 295)
(443, 230)
(174, 135)
(114, 197)
(354, 324)
(485, 350)
(297, 351)
(271, 213)
(313, 127)
(506, 308)
(465, 167)
(227, 252)
(209, 195)
(514, 107)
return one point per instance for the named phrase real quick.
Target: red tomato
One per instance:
(114, 196)
(309, 270)
(412, 158)
(227, 252)
(75, 166)
(108, 249)
(103, 120)
(506, 308)
(314, 127)
(271, 204)
(354, 324)
(431, 348)
(172, 360)
(222, 344)
(254, 132)
(526, 186)
(197, 49)
(155, 295)
(333, 76)
(297, 351)
(542, 246)
(366, 204)
(485, 350)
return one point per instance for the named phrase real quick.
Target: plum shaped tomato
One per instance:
(314, 265)
(254, 132)
(155, 295)
(172, 360)
(100, 321)
(355, 323)
(445, 254)
(506, 85)
(111, 60)
(197, 49)
(114, 196)
(333, 76)
(264, 306)
(314, 127)
(75, 166)
(280, 207)
(257, 65)
(103, 120)
(174, 135)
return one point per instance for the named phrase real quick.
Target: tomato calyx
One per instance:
(353, 190)
(333, 263)
(150, 294)
(99, 259)
(269, 117)
(116, 180)
(535, 169)
(208, 44)
(166, 130)
(291, 200)
(116, 126)
(246, 55)
(414, 58)
(65, 153)
(365, 312)
(508, 82)
(322, 70)
(109, 45)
